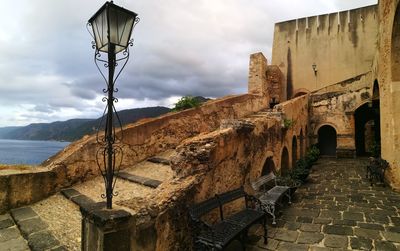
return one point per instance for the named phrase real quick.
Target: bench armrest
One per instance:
(252, 201)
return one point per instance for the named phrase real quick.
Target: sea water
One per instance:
(29, 152)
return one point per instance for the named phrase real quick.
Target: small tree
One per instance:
(186, 102)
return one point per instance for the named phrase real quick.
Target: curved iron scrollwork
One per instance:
(109, 156)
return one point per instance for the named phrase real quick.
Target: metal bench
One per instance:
(270, 193)
(375, 170)
(219, 235)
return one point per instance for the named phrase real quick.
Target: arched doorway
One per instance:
(269, 166)
(284, 161)
(294, 151)
(367, 128)
(396, 46)
(327, 140)
(301, 144)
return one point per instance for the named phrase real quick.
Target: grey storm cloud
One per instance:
(181, 47)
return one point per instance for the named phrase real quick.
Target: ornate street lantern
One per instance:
(111, 30)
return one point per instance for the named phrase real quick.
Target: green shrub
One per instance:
(186, 102)
(300, 171)
(312, 155)
(288, 123)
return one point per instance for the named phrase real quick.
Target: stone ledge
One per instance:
(139, 179)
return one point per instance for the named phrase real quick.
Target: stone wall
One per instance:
(386, 69)
(216, 162)
(76, 163)
(341, 45)
(335, 106)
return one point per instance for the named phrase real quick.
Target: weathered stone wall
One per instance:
(335, 106)
(266, 80)
(219, 161)
(387, 67)
(341, 45)
(141, 140)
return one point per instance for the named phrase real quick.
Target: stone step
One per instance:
(26, 228)
(139, 179)
(159, 160)
(150, 171)
(63, 218)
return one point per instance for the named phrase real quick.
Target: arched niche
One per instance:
(269, 166)
(285, 161)
(294, 151)
(327, 140)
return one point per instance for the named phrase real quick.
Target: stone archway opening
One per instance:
(285, 161)
(327, 140)
(396, 46)
(269, 166)
(367, 128)
(294, 151)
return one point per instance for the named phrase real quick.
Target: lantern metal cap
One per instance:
(112, 5)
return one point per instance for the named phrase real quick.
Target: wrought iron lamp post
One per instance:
(112, 27)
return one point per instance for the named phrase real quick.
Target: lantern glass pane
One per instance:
(99, 26)
(121, 24)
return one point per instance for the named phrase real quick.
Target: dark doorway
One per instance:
(327, 140)
(294, 151)
(269, 166)
(285, 162)
(367, 128)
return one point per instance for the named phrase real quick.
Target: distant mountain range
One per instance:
(74, 129)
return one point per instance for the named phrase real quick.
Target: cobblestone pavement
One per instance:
(337, 209)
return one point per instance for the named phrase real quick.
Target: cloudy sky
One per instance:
(182, 47)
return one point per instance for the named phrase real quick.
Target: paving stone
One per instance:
(286, 235)
(322, 221)
(379, 218)
(367, 233)
(30, 226)
(287, 246)
(393, 237)
(315, 248)
(308, 227)
(395, 220)
(360, 243)
(345, 222)
(339, 230)
(9, 234)
(370, 226)
(303, 219)
(393, 229)
(309, 238)
(330, 214)
(335, 241)
(60, 248)
(385, 246)
(23, 213)
(293, 225)
(353, 216)
(18, 244)
(42, 240)
(271, 245)
(6, 221)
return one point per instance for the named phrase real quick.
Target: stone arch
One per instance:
(301, 143)
(366, 118)
(269, 166)
(327, 140)
(284, 161)
(294, 151)
(396, 46)
(300, 92)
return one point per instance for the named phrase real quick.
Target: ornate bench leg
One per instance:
(289, 196)
(270, 208)
(265, 230)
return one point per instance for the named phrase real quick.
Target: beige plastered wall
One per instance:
(341, 45)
